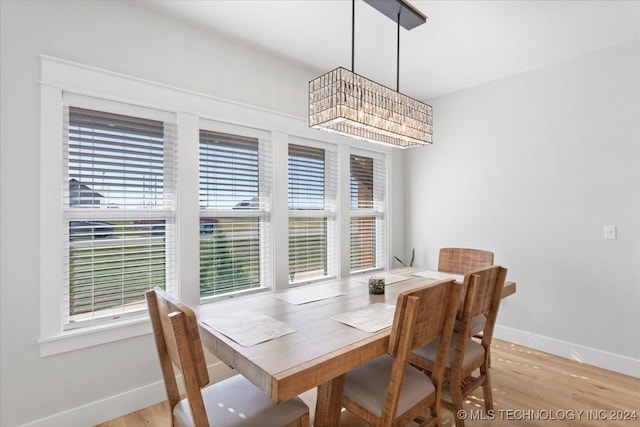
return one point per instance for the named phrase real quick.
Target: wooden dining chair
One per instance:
(388, 391)
(463, 260)
(232, 402)
(467, 366)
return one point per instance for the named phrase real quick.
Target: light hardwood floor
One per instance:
(530, 388)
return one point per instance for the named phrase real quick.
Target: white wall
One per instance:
(550, 195)
(532, 167)
(84, 387)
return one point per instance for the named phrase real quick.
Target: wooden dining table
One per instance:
(320, 351)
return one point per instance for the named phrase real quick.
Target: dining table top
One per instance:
(320, 348)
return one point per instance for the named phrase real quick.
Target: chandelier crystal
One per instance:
(346, 103)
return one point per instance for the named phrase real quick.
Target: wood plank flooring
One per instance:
(530, 388)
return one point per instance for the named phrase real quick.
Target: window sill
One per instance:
(324, 279)
(77, 339)
(238, 294)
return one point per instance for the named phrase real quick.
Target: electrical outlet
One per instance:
(610, 232)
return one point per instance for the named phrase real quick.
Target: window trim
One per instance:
(55, 334)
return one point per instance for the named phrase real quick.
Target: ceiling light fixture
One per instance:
(346, 103)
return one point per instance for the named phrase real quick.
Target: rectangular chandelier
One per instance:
(346, 103)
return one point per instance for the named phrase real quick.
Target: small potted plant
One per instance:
(413, 257)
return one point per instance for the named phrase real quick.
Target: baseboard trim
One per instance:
(591, 356)
(118, 405)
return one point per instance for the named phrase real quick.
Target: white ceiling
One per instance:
(462, 44)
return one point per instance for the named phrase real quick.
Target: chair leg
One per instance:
(456, 400)
(486, 388)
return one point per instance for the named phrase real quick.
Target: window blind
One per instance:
(235, 180)
(311, 194)
(118, 212)
(367, 212)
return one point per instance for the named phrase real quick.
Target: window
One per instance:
(235, 182)
(123, 188)
(367, 194)
(311, 194)
(118, 212)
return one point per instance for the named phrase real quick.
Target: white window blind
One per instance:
(311, 194)
(118, 212)
(235, 187)
(367, 200)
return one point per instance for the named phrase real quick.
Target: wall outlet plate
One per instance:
(610, 232)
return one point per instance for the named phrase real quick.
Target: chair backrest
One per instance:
(463, 260)
(422, 315)
(483, 289)
(177, 338)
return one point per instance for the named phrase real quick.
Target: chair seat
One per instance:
(236, 402)
(367, 386)
(473, 351)
(477, 325)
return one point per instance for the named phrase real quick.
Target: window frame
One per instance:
(166, 213)
(329, 211)
(265, 148)
(379, 210)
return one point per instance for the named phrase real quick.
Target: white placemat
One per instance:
(370, 318)
(439, 275)
(307, 294)
(388, 278)
(249, 328)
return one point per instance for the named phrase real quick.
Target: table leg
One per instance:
(329, 403)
